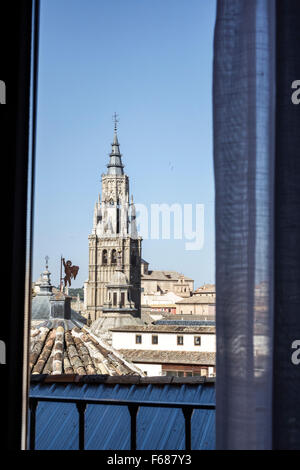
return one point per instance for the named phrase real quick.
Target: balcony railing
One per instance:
(133, 408)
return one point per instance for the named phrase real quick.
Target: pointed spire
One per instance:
(46, 287)
(115, 166)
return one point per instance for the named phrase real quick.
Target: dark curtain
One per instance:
(19, 39)
(286, 399)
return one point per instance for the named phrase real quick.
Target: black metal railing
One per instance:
(133, 408)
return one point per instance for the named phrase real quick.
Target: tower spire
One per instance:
(115, 166)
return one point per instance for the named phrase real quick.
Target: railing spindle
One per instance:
(33, 406)
(187, 413)
(133, 410)
(81, 407)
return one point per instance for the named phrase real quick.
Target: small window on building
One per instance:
(171, 373)
(104, 257)
(114, 298)
(197, 340)
(138, 339)
(180, 340)
(122, 299)
(154, 339)
(114, 257)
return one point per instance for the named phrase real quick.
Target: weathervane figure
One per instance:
(70, 271)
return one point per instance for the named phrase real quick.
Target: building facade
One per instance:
(114, 235)
(164, 281)
(168, 349)
(201, 302)
(197, 305)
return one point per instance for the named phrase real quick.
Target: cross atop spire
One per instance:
(116, 120)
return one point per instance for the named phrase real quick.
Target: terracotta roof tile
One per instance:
(61, 350)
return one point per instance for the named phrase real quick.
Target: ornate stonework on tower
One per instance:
(114, 235)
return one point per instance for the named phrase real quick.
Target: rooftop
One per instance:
(164, 276)
(167, 329)
(58, 347)
(197, 299)
(206, 288)
(170, 357)
(185, 322)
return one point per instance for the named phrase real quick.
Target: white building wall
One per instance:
(160, 299)
(166, 341)
(152, 370)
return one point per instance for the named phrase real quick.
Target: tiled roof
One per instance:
(174, 357)
(59, 347)
(206, 288)
(179, 317)
(163, 276)
(197, 299)
(167, 329)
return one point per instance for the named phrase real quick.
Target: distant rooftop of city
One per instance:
(169, 328)
(164, 276)
(170, 357)
(197, 299)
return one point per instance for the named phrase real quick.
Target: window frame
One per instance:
(136, 337)
(152, 339)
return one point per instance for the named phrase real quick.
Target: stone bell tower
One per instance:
(114, 231)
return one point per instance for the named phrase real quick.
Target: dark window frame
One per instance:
(136, 339)
(154, 337)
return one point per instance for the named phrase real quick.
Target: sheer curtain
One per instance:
(244, 110)
(256, 381)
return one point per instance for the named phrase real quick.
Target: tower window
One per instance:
(133, 260)
(154, 339)
(197, 340)
(180, 340)
(138, 339)
(122, 299)
(104, 257)
(114, 257)
(115, 299)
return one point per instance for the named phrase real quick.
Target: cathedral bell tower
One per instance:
(114, 232)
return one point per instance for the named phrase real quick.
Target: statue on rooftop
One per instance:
(70, 271)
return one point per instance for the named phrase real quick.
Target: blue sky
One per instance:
(151, 62)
